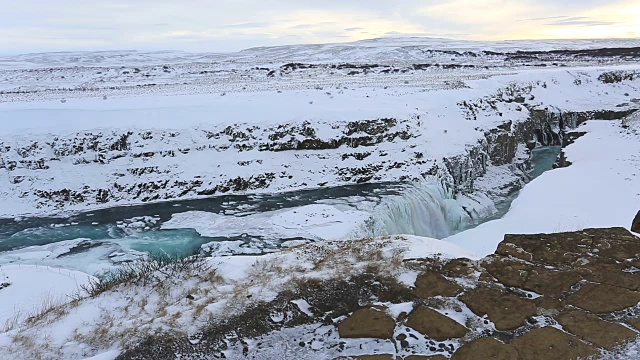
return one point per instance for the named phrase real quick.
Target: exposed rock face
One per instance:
(599, 298)
(552, 344)
(598, 246)
(635, 323)
(520, 274)
(585, 281)
(486, 348)
(421, 357)
(371, 322)
(507, 311)
(147, 166)
(435, 325)
(431, 284)
(592, 329)
(635, 225)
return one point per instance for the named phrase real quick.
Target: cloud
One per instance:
(579, 21)
(544, 18)
(303, 26)
(251, 25)
(217, 25)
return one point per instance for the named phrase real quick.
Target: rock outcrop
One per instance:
(544, 296)
(586, 281)
(635, 225)
(143, 166)
(371, 322)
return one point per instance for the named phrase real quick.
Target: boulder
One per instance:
(518, 273)
(431, 284)
(594, 330)
(486, 348)
(551, 283)
(613, 274)
(425, 357)
(600, 298)
(369, 322)
(435, 325)
(552, 344)
(573, 248)
(459, 267)
(507, 311)
(635, 225)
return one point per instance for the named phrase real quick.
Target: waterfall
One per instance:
(421, 209)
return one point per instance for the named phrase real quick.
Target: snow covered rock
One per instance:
(435, 325)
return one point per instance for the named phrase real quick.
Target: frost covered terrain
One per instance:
(289, 156)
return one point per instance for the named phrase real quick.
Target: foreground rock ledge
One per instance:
(550, 296)
(546, 296)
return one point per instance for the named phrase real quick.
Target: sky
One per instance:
(231, 25)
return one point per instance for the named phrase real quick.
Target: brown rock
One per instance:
(520, 274)
(551, 344)
(601, 299)
(635, 323)
(508, 248)
(435, 325)
(507, 311)
(548, 306)
(424, 357)
(486, 348)
(507, 271)
(635, 225)
(590, 328)
(551, 283)
(368, 357)
(459, 267)
(375, 357)
(370, 322)
(431, 284)
(618, 245)
(612, 274)
(573, 248)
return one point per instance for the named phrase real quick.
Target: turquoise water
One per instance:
(116, 228)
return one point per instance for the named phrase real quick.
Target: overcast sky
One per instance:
(228, 25)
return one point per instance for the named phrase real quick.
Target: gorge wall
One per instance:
(48, 173)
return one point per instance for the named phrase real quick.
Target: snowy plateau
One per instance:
(178, 205)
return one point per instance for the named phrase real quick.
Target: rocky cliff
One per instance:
(84, 170)
(553, 296)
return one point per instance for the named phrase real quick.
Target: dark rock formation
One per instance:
(435, 325)
(431, 284)
(508, 311)
(592, 329)
(600, 298)
(371, 322)
(552, 344)
(486, 348)
(584, 280)
(635, 225)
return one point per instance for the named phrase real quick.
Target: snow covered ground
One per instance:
(28, 290)
(221, 287)
(79, 155)
(600, 189)
(208, 120)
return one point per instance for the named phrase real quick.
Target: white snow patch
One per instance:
(32, 286)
